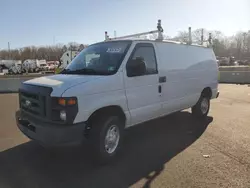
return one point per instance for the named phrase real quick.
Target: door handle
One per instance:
(159, 88)
(162, 79)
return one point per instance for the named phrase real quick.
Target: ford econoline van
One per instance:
(113, 85)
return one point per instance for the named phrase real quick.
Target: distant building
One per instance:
(67, 57)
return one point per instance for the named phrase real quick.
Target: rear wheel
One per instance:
(201, 109)
(106, 136)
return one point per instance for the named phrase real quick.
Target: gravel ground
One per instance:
(174, 151)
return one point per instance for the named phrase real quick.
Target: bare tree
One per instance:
(4, 54)
(81, 47)
(182, 36)
(239, 38)
(197, 34)
(248, 42)
(73, 46)
(64, 49)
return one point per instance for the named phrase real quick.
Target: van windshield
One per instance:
(99, 59)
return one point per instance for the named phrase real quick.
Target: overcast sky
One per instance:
(43, 22)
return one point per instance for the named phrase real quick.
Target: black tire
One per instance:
(198, 110)
(99, 129)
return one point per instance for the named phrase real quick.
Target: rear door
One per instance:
(142, 91)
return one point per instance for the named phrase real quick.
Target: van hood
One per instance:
(61, 82)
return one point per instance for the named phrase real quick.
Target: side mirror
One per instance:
(136, 67)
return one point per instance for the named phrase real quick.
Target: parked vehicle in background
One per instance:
(113, 85)
(41, 64)
(52, 65)
(30, 66)
(15, 69)
(34, 65)
(227, 61)
(4, 70)
(244, 62)
(13, 66)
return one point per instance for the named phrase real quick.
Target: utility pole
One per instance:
(202, 36)
(9, 50)
(70, 53)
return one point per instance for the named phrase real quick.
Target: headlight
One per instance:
(64, 109)
(63, 115)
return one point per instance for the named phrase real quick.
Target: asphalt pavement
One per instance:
(174, 151)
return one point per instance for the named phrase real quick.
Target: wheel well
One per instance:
(108, 110)
(207, 92)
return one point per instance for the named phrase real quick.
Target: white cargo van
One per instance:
(113, 85)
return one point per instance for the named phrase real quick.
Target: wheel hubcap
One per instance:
(204, 105)
(112, 139)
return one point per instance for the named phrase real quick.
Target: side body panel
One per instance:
(188, 70)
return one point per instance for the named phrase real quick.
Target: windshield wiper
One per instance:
(84, 71)
(64, 71)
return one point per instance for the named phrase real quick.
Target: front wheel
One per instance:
(201, 109)
(106, 138)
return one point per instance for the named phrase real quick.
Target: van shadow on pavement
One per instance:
(146, 149)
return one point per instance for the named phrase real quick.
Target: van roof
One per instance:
(150, 40)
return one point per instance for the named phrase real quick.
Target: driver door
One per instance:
(142, 90)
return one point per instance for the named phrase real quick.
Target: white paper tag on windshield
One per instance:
(114, 50)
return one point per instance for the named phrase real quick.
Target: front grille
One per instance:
(33, 103)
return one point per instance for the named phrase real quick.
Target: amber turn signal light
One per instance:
(71, 102)
(64, 102)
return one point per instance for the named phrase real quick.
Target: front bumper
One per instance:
(49, 133)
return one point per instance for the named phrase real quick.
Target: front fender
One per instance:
(89, 104)
(99, 93)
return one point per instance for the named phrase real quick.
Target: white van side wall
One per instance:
(188, 69)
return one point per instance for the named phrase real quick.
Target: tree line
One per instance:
(237, 46)
(49, 53)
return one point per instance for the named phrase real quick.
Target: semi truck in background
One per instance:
(27, 66)
(11, 66)
(30, 66)
(34, 65)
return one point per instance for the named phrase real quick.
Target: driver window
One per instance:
(147, 55)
